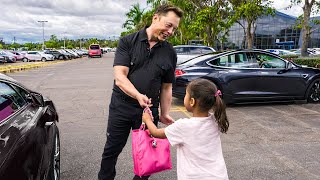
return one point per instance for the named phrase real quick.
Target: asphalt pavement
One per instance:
(266, 141)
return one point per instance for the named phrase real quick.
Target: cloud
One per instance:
(66, 18)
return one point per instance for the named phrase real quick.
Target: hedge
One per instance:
(308, 61)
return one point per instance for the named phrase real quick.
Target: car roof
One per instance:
(191, 46)
(7, 78)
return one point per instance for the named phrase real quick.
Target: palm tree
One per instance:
(134, 17)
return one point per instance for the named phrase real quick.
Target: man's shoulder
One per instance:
(131, 37)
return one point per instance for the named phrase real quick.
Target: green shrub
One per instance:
(309, 61)
(289, 56)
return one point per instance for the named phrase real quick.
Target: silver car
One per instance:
(186, 52)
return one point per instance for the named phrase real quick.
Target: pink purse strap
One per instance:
(143, 126)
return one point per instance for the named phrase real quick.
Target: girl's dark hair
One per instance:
(203, 91)
(165, 8)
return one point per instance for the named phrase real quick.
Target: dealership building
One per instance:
(273, 32)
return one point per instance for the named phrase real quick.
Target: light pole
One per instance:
(42, 22)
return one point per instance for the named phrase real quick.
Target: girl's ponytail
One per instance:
(221, 115)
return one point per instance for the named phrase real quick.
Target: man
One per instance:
(144, 68)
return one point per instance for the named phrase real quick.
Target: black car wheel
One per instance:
(54, 171)
(314, 92)
(60, 57)
(25, 59)
(43, 59)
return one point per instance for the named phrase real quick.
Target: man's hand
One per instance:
(143, 100)
(166, 119)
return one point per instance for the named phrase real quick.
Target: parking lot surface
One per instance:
(265, 141)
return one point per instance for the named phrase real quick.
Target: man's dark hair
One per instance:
(165, 8)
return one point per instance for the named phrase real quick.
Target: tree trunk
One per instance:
(305, 29)
(249, 36)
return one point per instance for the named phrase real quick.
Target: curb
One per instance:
(14, 68)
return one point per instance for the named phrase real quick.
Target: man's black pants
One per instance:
(124, 115)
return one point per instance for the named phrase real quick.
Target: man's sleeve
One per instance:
(122, 56)
(174, 133)
(170, 74)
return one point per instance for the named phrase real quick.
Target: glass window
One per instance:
(267, 61)
(181, 50)
(195, 50)
(10, 101)
(206, 50)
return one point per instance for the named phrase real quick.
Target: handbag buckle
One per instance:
(154, 144)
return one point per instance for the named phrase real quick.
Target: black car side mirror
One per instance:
(36, 99)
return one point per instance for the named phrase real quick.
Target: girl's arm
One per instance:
(154, 131)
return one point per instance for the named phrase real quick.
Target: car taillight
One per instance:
(179, 72)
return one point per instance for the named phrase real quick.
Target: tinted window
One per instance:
(199, 59)
(10, 101)
(94, 47)
(238, 60)
(267, 61)
(195, 50)
(181, 50)
(206, 50)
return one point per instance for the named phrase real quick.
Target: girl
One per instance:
(199, 152)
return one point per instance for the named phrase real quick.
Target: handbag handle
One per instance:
(143, 126)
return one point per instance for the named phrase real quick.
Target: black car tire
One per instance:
(54, 170)
(60, 57)
(25, 59)
(43, 59)
(314, 92)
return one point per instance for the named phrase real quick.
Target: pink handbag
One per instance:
(150, 155)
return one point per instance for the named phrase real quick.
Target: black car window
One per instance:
(268, 61)
(10, 101)
(206, 50)
(181, 50)
(195, 50)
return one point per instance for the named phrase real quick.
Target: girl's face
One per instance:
(187, 102)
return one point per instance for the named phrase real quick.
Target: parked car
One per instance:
(251, 76)
(29, 136)
(57, 54)
(18, 55)
(186, 52)
(95, 50)
(8, 56)
(281, 52)
(3, 59)
(37, 56)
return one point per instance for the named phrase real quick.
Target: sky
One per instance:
(74, 19)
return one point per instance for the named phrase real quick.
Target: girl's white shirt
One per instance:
(199, 151)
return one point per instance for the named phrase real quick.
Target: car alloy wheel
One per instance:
(314, 94)
(56, 159)
(54, 171)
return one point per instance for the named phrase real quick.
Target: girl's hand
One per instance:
(146, 117)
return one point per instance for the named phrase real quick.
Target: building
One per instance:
(273, 32)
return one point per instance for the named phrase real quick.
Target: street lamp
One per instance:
(42, 22)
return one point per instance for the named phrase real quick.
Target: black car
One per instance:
(251, 76)
(57, 54)
(29, 136)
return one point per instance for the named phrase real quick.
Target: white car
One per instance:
(37, 56)
(281, 52)
(186, 52)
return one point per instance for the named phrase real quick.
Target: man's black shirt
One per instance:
(148, 68)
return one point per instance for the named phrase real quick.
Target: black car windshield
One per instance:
(198, 59)
(94, 47)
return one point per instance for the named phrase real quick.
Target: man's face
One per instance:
(165, 25)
